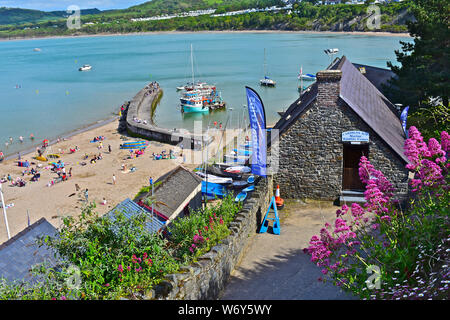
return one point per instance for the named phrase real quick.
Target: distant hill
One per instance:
(160, 7)
(16, 16)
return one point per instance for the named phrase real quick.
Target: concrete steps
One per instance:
(349, 196)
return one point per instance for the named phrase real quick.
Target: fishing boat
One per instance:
(193, 104)
(214, 179)
(37, 49)
(267, 81)
(199, 96)
(85, 67)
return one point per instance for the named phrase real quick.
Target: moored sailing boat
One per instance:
(267, 81)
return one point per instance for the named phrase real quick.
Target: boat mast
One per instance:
(265, 63)
(192, 66)
(301, 81)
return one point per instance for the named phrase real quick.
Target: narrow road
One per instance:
(274, 267)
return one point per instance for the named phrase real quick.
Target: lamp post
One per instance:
(4, 211)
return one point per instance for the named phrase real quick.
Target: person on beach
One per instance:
(70, 172)
(10, 140)
(2, 157)
(21, 139)
(109, 148)
(114, 179)
(86, 195)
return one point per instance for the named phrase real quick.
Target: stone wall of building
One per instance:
(205, 279)
(311, 150)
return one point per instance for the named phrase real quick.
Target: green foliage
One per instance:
(201, 230)
(431, 120)
(104, 258)
(16, 16)
(305, 16)
(425, 71)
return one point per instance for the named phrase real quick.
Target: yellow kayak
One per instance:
(55, 156)
(41, 158)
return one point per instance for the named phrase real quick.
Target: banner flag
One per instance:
(403, 118)
(257, 118)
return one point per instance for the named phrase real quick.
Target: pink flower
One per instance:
(120, 268)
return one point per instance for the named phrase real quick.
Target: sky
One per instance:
(51, 5)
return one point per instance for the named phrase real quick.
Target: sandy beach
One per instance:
(365, 33)
(62, 198)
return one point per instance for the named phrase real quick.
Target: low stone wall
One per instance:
(206, 278)
(140, 107)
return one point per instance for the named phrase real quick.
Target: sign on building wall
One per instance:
(355, 136)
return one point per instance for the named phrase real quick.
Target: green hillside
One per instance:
(17, 16)
(303, 16)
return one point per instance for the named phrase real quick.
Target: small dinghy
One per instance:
(213, 178)
(213, 190)
(233, 157)
(239, 184)
(241, 197)
(217, 171)
(243, 152)
(249, 189)
(238, 169)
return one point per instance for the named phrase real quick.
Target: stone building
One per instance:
(323, 134)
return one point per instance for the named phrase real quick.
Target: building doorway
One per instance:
(352, 156)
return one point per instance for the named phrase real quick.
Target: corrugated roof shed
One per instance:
(130, 208)
(20, 253)
(174, 190)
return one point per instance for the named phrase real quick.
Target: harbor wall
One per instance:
(206, 278)
(140, 107)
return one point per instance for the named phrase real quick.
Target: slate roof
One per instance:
(173, 189)
(377, 76)
(362, 97)
(130, 208)
(20, 253)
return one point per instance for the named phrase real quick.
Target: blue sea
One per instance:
(43, 93)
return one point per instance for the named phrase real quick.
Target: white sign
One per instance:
(352, 136)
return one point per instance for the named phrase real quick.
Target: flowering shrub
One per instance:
(410, 250)
(196, 234)
(115, 257)
(118, 257)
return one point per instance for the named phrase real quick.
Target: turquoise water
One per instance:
(54, 98)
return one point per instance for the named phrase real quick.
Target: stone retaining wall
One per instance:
(140, 107)
(206, 278)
